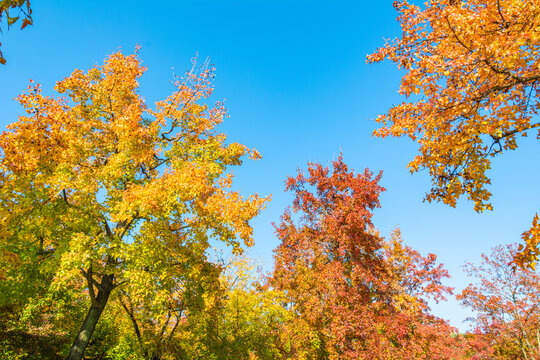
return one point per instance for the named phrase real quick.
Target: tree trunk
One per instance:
(85, 333)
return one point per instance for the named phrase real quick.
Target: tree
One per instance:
(320, 261)
(104, 194)
(251, 315)
(506, 301)
(472, 68)
(353, 294)
(158, 323)
(9, 5)
(231, 318)
(244, 320)
(416, 333)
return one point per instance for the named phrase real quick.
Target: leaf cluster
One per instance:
(7, 6)
(472, 68)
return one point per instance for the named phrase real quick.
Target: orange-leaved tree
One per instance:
(18, 6)
(354, 295)
(104, 191)
(472, 68)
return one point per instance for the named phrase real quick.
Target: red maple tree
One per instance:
(353, 294)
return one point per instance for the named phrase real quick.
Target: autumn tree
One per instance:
(160, 324)
(223, 313)
(13, 10)
(506, 302)
(251, 314)
(414, 332)
(354, 294)
(103, 194)
(472, 69)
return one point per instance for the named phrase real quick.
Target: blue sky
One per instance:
(295, 81)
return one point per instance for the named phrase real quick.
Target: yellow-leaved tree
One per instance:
(473, 67)
(103, 194)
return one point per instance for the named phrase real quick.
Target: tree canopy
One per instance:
(471, 68)
(505, 301)
(354, 294)
(99, 191)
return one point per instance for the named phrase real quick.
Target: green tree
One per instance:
(251, 314)
(222, 312)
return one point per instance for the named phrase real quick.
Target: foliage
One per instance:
(7, 353)
(251, 315)
(474, 65)
(99, 192)
(160, 328)
(230, 317)
(21, 341)
(476, 346)
(353, 295)
(9, 5)
(108, 207)
(415, 280)
(506, 300)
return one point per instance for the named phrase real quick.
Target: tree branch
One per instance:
(91, 282)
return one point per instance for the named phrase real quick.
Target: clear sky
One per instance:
(295, 81)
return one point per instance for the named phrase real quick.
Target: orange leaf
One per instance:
(26, 22)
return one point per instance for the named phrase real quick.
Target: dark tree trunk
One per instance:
(87, 328)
